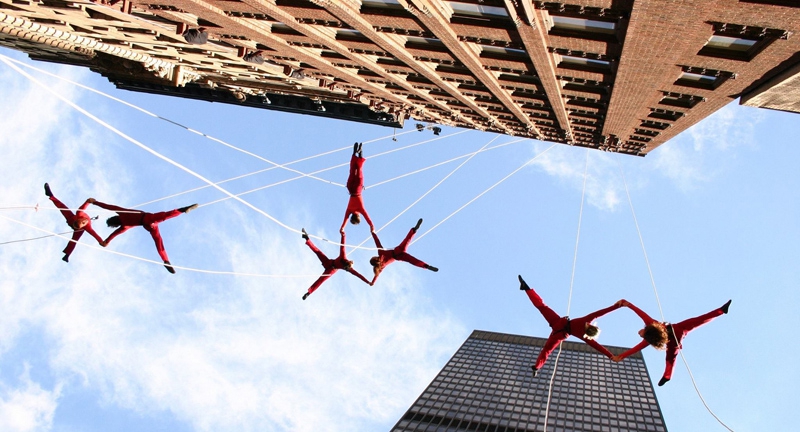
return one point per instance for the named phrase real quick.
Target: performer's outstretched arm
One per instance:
(598, 347)
(117, 232)
(645, 318)
(632, 351)
(110, 206)
(355, 273)
(377, 240)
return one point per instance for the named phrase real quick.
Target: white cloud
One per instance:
(218, 352)
(27, 408)
(567, 164)
(698, 154)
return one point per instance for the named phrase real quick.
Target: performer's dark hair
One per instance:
(113, 221)
(656, 335)
(591, 331)
(355, 219)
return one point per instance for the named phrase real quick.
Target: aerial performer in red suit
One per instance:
(582, 328)
(663, 335)
(78, 221)
(355, 185)
(129, 218)
(331, 265)
(388, 256)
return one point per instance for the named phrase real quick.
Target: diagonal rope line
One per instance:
(217, 140)
(159, 263)
(36, 238)
(481, 194)
(328, 169)
(157, 154)
(571, 282)
(658, 300)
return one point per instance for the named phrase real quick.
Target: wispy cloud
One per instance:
(28, 407)
(699, 153)
(219, 352)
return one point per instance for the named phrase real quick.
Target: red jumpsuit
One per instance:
(331, 265)
(388, 256)
(680, 330)
(355, 185)
(149, 221)
(72, 218)
(564, 327)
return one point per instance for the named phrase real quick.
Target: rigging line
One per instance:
(326, 169)
(298, 177)
(571, 284)
(437, 185)
(446, 162)
(36, 238)
(481, 194)
(275, 165)
(160, 263)
(153, 152)
(658, 300)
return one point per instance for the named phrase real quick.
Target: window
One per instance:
(460, 8)
(738, 42)
(584, 64)
(584, 28)
(702, 78)
(665, 114)
(655, 125)
(680, 100)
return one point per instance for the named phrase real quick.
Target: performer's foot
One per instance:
(535, 371)
(432, 268)
(359, 149)
(355, 148)
(419, 223)
(47, 190)
(169, 268)
(187, 209)
(305, 296)
(305, 236)
(65, 259)
(662, 381)
(726, 306)
(522, 285)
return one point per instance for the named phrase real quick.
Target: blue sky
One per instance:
(108, 342)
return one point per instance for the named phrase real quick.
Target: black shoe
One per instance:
(65, 259)
(432, 268)
(187, 209)
(662, 381)
(522, 285)
(535, 371)
(305, 296)
(355, 148)
(169, 268)
(305, 236)
(360, 149)
(725, 307)
(47, 190)
(419, 223)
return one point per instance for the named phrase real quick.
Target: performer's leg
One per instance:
(322, 258)
(316, 284)
(159, 243)
(549, 346)
(685, 326)
(155, 218)
(548, 314)
(404, 244)
(404, 256)
(65, 211)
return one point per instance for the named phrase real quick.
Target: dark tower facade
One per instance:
(488, 386)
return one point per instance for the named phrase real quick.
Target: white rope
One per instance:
(481, 194)
(51, 234)
(155, 153)
(35, 238)
(224, 143)
(658, 300)
(571, 282)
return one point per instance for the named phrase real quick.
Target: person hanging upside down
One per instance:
(667, 336)
(331, 265)
(388, 256)
(355, 185)
(78, 221)
(128, 218)
(582, 328)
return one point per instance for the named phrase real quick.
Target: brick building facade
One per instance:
(615, 75)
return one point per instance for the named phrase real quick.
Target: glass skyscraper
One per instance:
(488, 386)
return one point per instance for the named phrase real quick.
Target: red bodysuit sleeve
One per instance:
(369, 221)
(598, 347)
(634, 350)
(377, 240)
(88, 228)
(645, 318)
(109, 206)
(355, 273)
(594, 315)
(341, 248)
(117, 232)
(83, 207)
